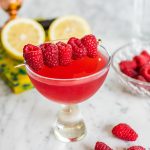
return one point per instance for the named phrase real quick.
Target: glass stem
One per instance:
(69, 125)
(69, 113)
(12, 14)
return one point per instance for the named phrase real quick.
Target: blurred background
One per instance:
(109, 19)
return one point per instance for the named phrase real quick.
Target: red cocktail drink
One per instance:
(68, 74)
(73, 83)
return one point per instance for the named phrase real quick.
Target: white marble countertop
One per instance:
(26, 120)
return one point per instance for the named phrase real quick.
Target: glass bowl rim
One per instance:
(122, 74)
(74, 79)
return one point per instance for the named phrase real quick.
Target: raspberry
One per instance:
(91, 44)
(124, 132)
(50, 54)
(141, 78)
(127, 64)
(101, 146)
(127, 67)
(130, 72)
(65, 53)
(78, 48)
(141, 60)
(145, 72)
(146, 54)
(136, 148)
(33, 57)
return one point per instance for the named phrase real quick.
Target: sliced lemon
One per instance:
(68, 26)
(20, 32)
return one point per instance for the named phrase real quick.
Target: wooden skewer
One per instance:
(99, 40)
(20, 65)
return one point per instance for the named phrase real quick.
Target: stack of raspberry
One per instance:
(60, 54)
(137, 68)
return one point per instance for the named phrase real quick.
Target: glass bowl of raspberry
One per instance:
(131, 62)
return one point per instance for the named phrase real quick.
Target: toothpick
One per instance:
(20, 65)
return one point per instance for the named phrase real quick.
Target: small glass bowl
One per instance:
(127, 52)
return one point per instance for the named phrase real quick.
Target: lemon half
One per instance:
(68, 26)
(20, 32)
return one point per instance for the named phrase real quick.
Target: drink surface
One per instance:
(71, 92)
(78, 68)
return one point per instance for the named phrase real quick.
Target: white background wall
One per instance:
(110, 19)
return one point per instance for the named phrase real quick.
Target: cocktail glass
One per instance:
(69, 125)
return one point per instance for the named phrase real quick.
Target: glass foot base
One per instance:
(70, 126)
(71, 133)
